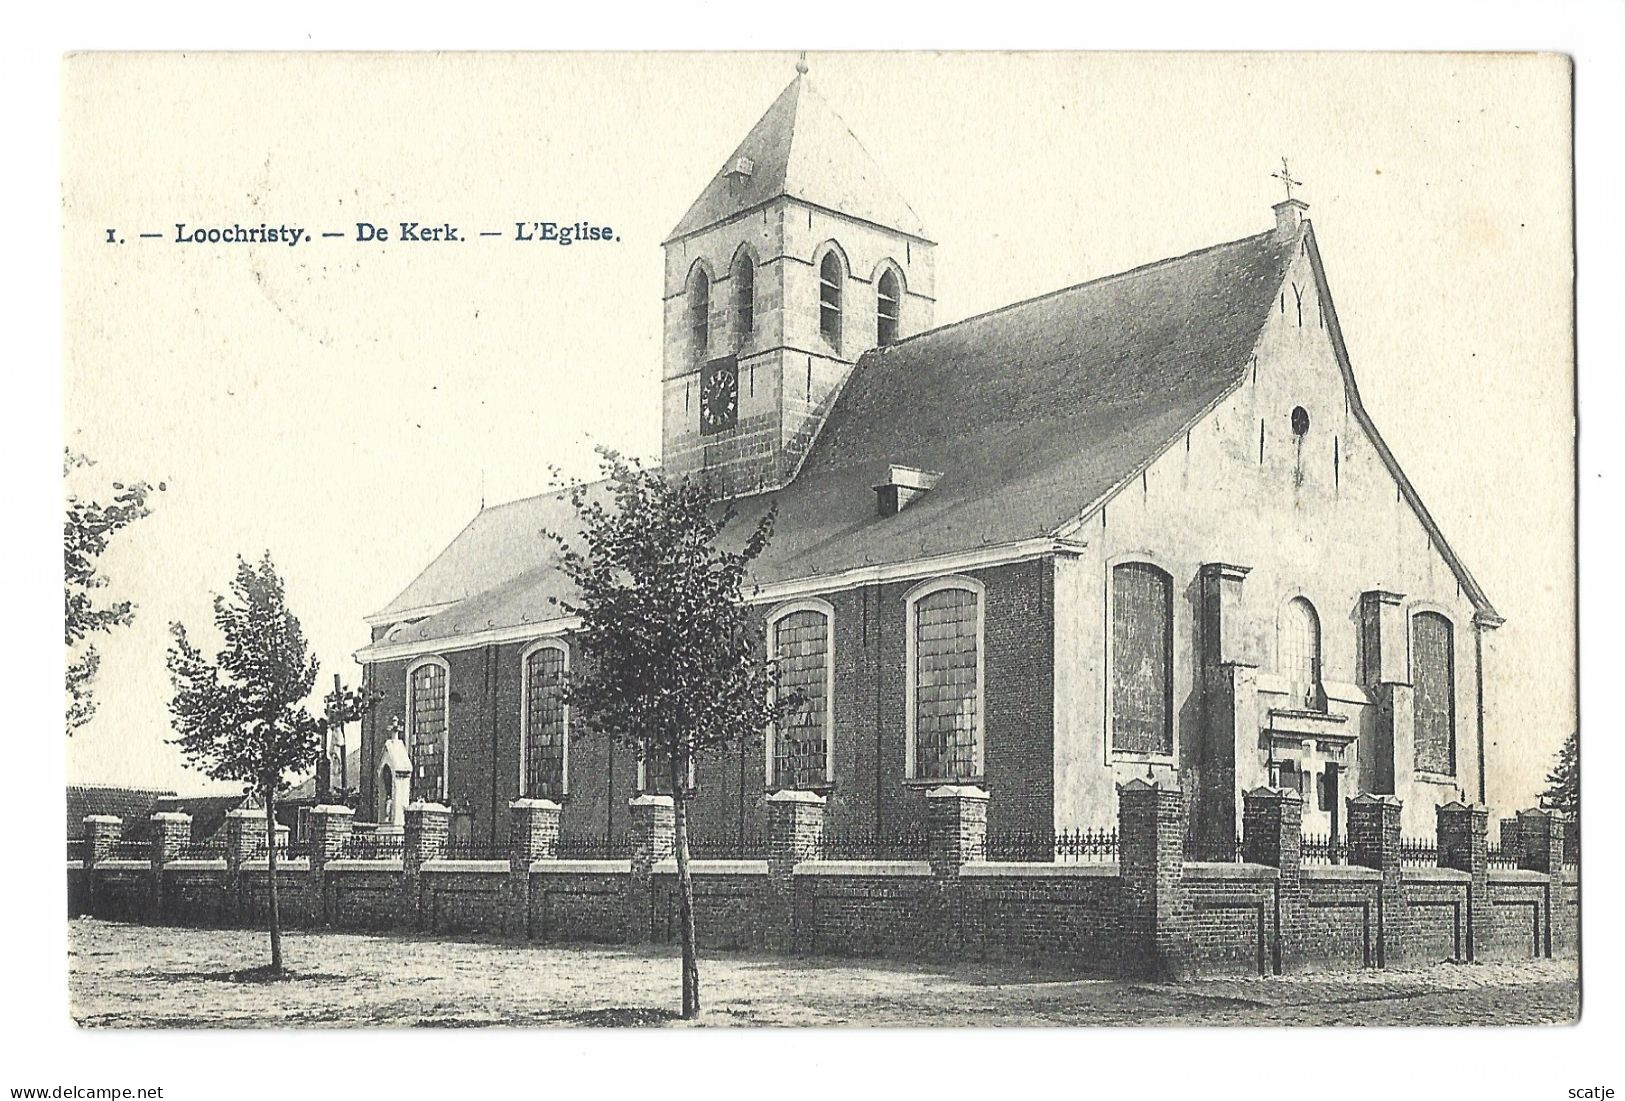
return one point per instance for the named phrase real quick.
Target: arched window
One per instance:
(1300, 653)
(428, 685)
(1142, 659)
(799, 745)
(945, 681)
(888, 308)
(744, 288)
(699, 315)
(830, 279)
(1433, 680)
(544, 731)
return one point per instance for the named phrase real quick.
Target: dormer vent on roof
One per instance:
(902, 485)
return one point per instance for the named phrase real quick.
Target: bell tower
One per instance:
(796, 259)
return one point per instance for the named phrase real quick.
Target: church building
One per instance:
(1138, 526)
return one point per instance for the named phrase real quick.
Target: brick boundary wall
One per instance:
(1152, 913)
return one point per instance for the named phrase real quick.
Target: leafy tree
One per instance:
(1563, 782)
(88, 528)
(242, 716)
(676, 667)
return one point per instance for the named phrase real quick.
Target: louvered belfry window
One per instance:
(428, 740)
(800, 740)
(947, 686)
(888, 309)
(1142, 660)
(744, 288)
(1433, 679)
(830, 278)
(544, 724)
(699, 316)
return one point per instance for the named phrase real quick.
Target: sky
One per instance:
(347, 407)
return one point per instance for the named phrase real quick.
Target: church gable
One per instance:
(1292, 431)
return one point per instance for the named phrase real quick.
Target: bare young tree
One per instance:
(676, 665)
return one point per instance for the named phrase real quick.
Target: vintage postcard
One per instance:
(879, 539)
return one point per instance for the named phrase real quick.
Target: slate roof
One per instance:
(133, 805)
(1033, 414)
(801, 148)
(500, 544)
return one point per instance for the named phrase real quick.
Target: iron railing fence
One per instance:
(845, 842)
(1418, 852)
(476, 850)
(1319, 848)
(373, 846)
(593, 847)
(202, 850)
(1080, 846)
(285, 849)
(131, 850)
(1502, 858)
(78, 849)
(736, 846)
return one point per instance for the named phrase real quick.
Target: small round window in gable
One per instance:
(1300, 428)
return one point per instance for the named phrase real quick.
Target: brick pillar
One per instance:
(330, 827)
(1540, 837)
(1272, 834)
(956, 835)
(1151, 865)
(245, 833)
(956, 823)
(428, 827)
(101, 833)
(533, 834)
(652, 836)
(171, 832)
(1373, 839)
(795, 832)
(1464, 844)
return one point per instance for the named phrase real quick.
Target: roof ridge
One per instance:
(539, 496)
(1138, 270)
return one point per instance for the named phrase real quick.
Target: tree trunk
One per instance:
(685, 889)
(270, 879)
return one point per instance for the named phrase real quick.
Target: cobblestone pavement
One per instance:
(130, 975)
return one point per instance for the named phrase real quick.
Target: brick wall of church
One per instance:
(870, 791)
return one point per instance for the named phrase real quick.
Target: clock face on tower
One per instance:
(719, 395)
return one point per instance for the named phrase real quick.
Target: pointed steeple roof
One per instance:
(802, 149)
